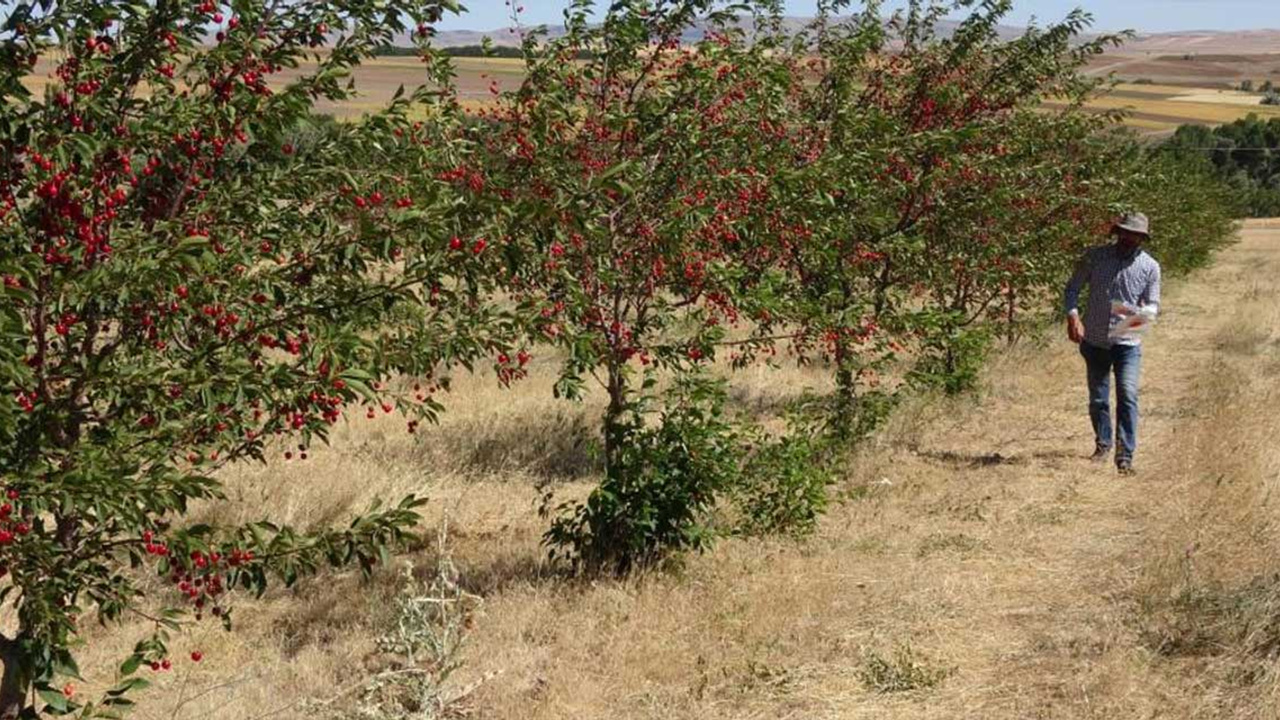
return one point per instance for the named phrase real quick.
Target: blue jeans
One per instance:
(1126, 362)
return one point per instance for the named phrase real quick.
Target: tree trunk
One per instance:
(614, 430)
(15, 683)
(1012, 316)
(846, 391)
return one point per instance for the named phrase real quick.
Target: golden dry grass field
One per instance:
(1163, 107)
(1153, 108)
(377, 80)
(975, 566)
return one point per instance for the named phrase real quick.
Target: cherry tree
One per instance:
(637, 184)
(198, 272)
(942, 189)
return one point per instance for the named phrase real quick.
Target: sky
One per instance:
(1110, 15)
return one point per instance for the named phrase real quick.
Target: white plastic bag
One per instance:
(1133, 322)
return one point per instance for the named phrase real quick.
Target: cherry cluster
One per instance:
(15, 523)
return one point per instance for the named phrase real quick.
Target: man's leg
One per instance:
(1098, 363)
(1128, 364)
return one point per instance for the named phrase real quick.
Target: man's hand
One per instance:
(1075, 329)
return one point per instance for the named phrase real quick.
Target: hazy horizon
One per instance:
(1140, 15)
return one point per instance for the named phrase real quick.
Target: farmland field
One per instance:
(378, 80)
(1162, 108)
(1190, 66)
(1155, 108)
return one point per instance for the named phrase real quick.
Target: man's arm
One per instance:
(1071, 298)
(1151, 297)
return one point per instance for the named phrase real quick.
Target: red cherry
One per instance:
(197, 656)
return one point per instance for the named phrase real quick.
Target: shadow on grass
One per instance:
(554, 447)
(495, 575)
(970, 460)
(1214, 619)
(550, 446)
(757, 405)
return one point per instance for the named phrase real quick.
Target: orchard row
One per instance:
(199, 271)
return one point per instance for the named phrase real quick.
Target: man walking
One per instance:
(1124, 282)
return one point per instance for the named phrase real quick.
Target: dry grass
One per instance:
(1187, 111)
(376, 81)
(984, 570)
(1209, 593)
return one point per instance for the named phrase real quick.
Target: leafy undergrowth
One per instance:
(901, 671)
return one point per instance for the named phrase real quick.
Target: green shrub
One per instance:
(657, 498)
(1242, 156)
(952, 359)
(783, 489)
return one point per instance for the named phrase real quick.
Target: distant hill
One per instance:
(504, 37)
(1247, 42)
(1198, 42)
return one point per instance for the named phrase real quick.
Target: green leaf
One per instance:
(131, 665)
(56, 702)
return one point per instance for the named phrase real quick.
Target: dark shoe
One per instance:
(1101, 454)
(1125, 467)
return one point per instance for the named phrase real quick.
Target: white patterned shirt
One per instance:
(1133, 280)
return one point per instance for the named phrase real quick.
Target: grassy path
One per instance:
(981, 567)
(990, 572)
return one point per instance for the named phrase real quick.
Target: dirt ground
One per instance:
(994, 570)
(976, 565)
(1187, 62)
